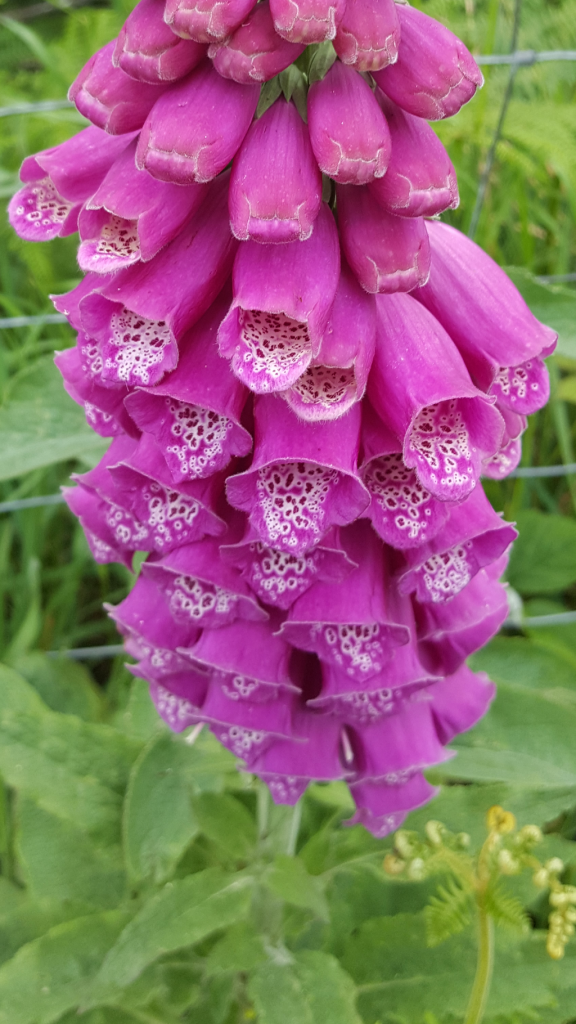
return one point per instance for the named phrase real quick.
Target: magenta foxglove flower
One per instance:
(248, 728)
(400, 681)
(402, 511)
(382, 806)
(204, 20)
(336, 379)
(246, 659)
(354, 625)
(422, 392)
(473, 536)
(194, 415)
(435, 75)
(254, 52)
(173, 514)
(307, 21)
(202, 589)
(131, 216)
(282, 300)
(287, 767)
(275, 187)
(195, 129)
(348, 131)
(303, 478)
(420, 180)
(148, 50)
(109, 98)
(178, 703)
(279, 577)
(103, 406)
(395, 746)
(58, 181)
(449, 631)
(459, 701)
(139, 314)
(506, 459)
(501, 341)
(387, 253)
(368, 34)
(145, 617)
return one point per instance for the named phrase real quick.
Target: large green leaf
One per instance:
(64, 685)
(310, 988)
(525, 662)
(183, 913)
(59, 862)
(289, 879)
(227, 823)
(158, 819)
(552, 304)
(74, 769)
(402, 981)
(39, 423)
(543, 559)
(49, 976)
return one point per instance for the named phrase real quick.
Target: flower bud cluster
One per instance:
(415, 859)
(301, 394)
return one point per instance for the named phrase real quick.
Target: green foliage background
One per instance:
(143, 879)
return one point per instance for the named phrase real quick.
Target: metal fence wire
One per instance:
(515, 60)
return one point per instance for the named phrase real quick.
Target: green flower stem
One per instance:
(484, 968)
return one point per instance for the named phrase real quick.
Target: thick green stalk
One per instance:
(484, 967)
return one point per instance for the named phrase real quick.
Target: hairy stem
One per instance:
(484, 967)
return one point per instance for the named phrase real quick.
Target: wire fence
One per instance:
(516, 59)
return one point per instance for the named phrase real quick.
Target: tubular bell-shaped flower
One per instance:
(282, 300)
(149, 51)
(348, 130)
(178, 698)
(173, 514)
(420, 180)
(144, 618)
(132, 216)
(505, 460)
(205, 20)
(254, 52)
(435, 74)
(473, 536)
(501, 341)
(103, 406)
(387, 253)
(202, 589)
(459, 701)
(58, 181)
(194, 130)
(450, 631)
(396, 746)
(109, 98)
(368, 34)
(303, 478)
(307, 21)
(361, 703)
(141, 313)
(248, 728)
(247, 660)
(337, 377)
(195, 413)
(275, 187)
(279, 577)
(287, 767)
(382, 806)
(354, 625)
(402, 511)
(421, 390)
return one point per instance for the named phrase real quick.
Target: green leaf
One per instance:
(527, 738)
(525, 663)
(73, 769)
(49, 976)
(543, 559)
(139, 718)
(31, 919)
(505, 908)
(63, 684)
(59, 862)
(183, 913)
(311, 988)
(227, 823)
(39, 424)
(158, 819)
(289, 879)
(322, 60)
(241, 949)
(552, 304)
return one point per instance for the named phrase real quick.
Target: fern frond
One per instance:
(506, 909)
(447, 913)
